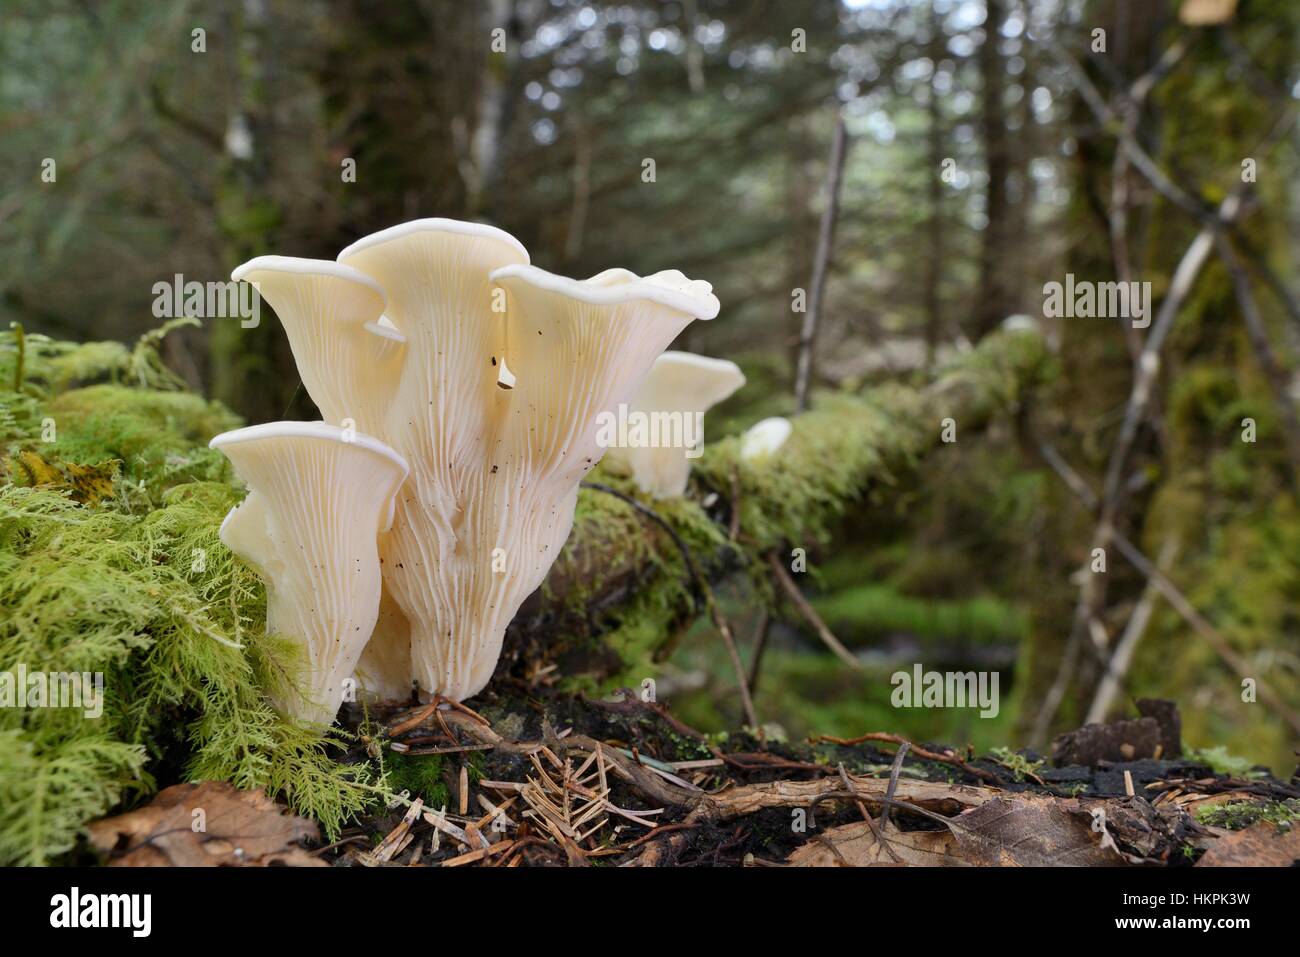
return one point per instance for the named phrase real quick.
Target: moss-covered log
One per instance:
(621, 590)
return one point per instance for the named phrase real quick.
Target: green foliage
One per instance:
(141, 590)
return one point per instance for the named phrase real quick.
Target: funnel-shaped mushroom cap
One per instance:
(349, 361)
(318, 498)
(435, 274)
(511, 429)
(670, 287)
(665, 419)
(764, 438)
(579, 349)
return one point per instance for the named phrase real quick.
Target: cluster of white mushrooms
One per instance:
(460, 388)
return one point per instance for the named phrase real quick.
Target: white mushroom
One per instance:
(666, 417)
(318, 498)
(347, 352)
(498, 374)
(763, 438)
(384, 671)
(465, 553)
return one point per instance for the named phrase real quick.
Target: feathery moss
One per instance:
(138, 589)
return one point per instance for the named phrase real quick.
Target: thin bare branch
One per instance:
(824, 633)
(821, 264)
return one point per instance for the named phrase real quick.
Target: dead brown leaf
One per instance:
(210, 824)
(1034, 832)
(855, 845)
(1263, 844)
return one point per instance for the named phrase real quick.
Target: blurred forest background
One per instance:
(991, 146)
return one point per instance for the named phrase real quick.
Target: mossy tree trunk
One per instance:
(1224, 500)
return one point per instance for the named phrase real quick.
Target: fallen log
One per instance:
(622, 573)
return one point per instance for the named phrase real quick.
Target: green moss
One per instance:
(1237, 815)
(160, 437)
(612, 538)
(420, 775)
(142, 591)
(1016, 763)
(847, 445)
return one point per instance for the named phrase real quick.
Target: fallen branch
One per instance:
(882, 432)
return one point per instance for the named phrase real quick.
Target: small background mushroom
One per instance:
(686, 386)
(764, 438)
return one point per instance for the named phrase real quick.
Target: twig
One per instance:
(415, 720)
(692, 570)
(877, 832)
(948, 757)
(810, 614)
(893, 785)
(632, 702)
(1255, 259)
(821, 262)
(1140, 158)
(660, 831)
(1130, 111)
(1122, 656)
(393, 843)
(925, 798)
(478, 855)
(465, 709)
(403, 748)
(761, 629)
(742, 681)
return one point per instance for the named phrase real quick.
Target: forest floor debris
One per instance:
(621, 781)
